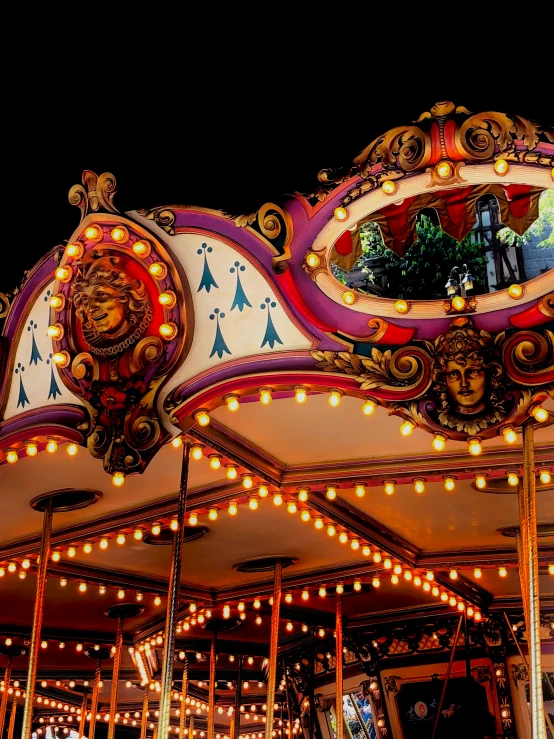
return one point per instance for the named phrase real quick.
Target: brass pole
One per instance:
(184, 689)
(115, 677)
(447, 676)
(273, 649)
(191, 727)
(211, 692)
(12, 717)
(144, 718)
(338, 667)
(173, 599)
(37, 621)
(83, 717)
(232, 725)
(94, 700)
(532, 559)
(238, 698)
(4, 704)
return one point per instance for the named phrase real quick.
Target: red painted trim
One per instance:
(289, 288)
(529, 317)
(397, 335)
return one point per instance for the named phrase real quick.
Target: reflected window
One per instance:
(358, 716)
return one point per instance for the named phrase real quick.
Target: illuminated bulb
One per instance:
(389, 488)
(406, 428)
(61, 359)
(322, 592)
(480, 482)
(501, 166)
(539, 414)
(388, 187)
(354, 543)
(263, 491)
(419, 486)
(453, 602)
(349, 297)
(52, 446)
(157, 600)
(241, 606)
(157, 270)
(475, 447)
(357, 585)
(435, 591)
(12, 567)
(174, 524)
(26, 564)
(233, 508)
(394, 579)
(139, 596)
(305, 515)
(288, 598)
(232, 402)
(513, 479)
(444, 170)
(502, 571)
(44, 644)
(515, 291)
(313, 260)
(401, 306)
(22, 574)
(321, 633)
(477, 616)
(360, 490)
(118, 479)
(449, 484)
(72, 449)
(63, 274)
(231, 472)
(193, 519)
(368, 408)
(291, 506)
(258, 620)
(265, 395)
(461, 606)
(477, 573)
(253, 503)
(417, 581)
(439, 442)
(377, 557)
(82, 587)
(247, 481)
(340, 213)
(137, 534)
(202, 417)
(509, 434)
(226, 611)
(408, 575)
(453, 575)
(11, 456)
(277, 499)
(318, 523)
(71, 552)
(257, 603)
(121, 594)
(335, 398)
(397, 569)
(551, 569)
(300, 394)
(55, 331)
(57, 301)
(340, 588)
(103, 543)
(376, 582)
(545, 476)
(302, 494)
(92, 232)
(289, 626)
(215, 461)
(31, 449)
(343, 537)
(141, 248)
(168, 330)
(429, 576)
(331, 492)
(56, 556)
(426, 586)
(306, 595)
(119, 234)
(177, 442)
(331, 531)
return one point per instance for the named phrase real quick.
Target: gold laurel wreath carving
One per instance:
(164, 217)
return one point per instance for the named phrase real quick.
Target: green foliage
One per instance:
(542, 228)
(423, 271)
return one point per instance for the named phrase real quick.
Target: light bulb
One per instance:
(429, 576)
(435, 591)
(27, 562)
(360, 489)
(215, 461)
(12, 456)
(303, 494)
(377, 557)
(103, 543)
(72, 449)
(453, 602)
(509, 434)
(174, 524)
(265, 395)
(71, 552)
(277, 499)
(121, 594)
(119, 234)
(231, 471)
(480, 482)
(31, 449)
(331, 492)
(118, 479)
(406, 428)
(141, 248)
(515, 291)
(139, 596)
(551, 569)
(137, 534)
(305, 595)
(376, 582)
(475, 447)
(369, 406)
(232, 402)
(477, 573)
(253, 503)
(334, 398)
(388, 187)
(291, 506)
(340, 213)
(444, 170)
(349, 297)
(357, 585)
(513, 479)
(439, 442)
(322, 592)
(300, 394)
(461, 606)
(389, 488)
(247, 482)
(331, 531)
(57, 301)
(87, 547)
(419, 485)
(343, 537)
(193, 519)
(64, 274)
(92, 232)
(426, 586)
(339, 588)
(318, 523)
(263, 491)
(157, 600)
(408, 575)
(305, 515)
(56, 556)
(453, 575)
(545, 476)
(257, 603)
(502, 571)
(394, 579)
(202, 417)
(288, 598)
(52, 446)
(177, 442)
(402, 306)
(477, 616)
(82, 587)
(501, 166)
(449, 484)
(233, 508)
(355, 544)
(158, 270)
(397, 569)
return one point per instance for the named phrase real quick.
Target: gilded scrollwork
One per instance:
(274, 225)
(94, 194)
(164, 217)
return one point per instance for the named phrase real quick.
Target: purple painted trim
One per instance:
(55, 415)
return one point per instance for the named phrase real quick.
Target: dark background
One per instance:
(219, 123)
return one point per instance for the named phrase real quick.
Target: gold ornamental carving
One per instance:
(273, 224)
(96, 193)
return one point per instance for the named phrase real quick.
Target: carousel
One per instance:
(244, 499)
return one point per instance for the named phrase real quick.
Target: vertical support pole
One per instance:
(211, 692)
(312, 685)
(466, 648)
(338, 671)
(173, 599)
(37, 621)
(232, 725)
(83, 717)
(529, 539)
(184, 689)
(238, 699)
(191, 728)
(447, 677)
(4, 703)
(94, 700)
(12, 717)
(144, 717)
(115, 677)
(274, 639)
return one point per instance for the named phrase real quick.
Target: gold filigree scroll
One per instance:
(388, 371)
(274, 225)
(164, 217)
(404, 147)
(95, 194)
(529, 357)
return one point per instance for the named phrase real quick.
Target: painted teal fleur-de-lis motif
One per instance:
(207, 281)
(54, 389)
(219, 347)
(35, 354)
(22, 399)
(240, 297)
(271, 336)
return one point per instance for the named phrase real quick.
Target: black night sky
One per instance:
(230, 132)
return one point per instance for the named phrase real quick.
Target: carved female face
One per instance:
(103, 308)
(466, 383)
